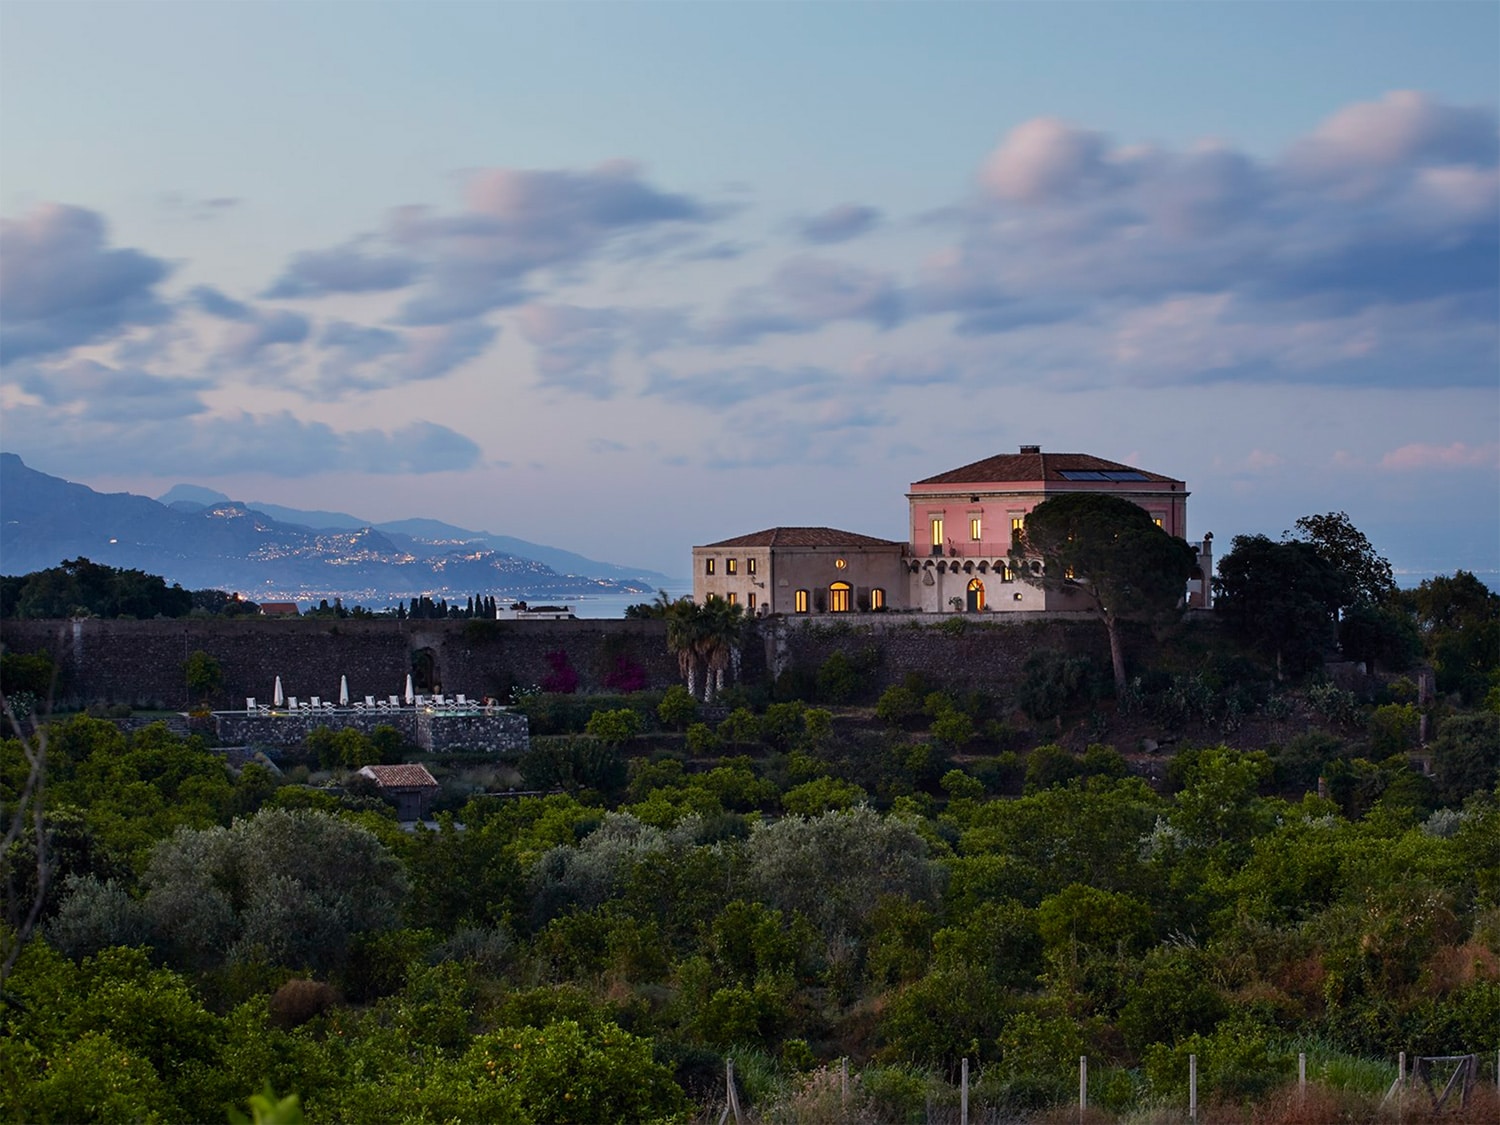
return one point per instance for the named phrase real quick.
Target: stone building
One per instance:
(793, 570)
(410, 786)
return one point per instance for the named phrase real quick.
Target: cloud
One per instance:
(1046, 159)
(280, 444)
(1363, 146)
(839, 224)
(200, 210)
(90, 390)
(249, 337)
(1371, 243)
(1261, 460)
(576, 346)
(358, 358)
(1419, 456)
(520, 222)
(421, 447)
(61, 287)
(218, 304)
(832, 433)
(805, 294)
(881, 369)
(343, 269)
(729, 387)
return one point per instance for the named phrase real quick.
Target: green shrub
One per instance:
(678, 708)
(613, 728)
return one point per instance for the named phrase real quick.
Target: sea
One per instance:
(614, 605)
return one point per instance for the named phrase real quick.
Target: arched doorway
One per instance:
(424, 672)
(838, 597)
(976, 595)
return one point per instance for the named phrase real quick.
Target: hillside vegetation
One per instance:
(801, 874)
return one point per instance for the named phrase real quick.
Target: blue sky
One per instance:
(628, 277)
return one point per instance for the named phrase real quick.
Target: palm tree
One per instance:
(719, 636)
(684, 631)
(707, 635)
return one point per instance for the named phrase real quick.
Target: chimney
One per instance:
(1031, 449)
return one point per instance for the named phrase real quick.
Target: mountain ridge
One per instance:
(201, 538)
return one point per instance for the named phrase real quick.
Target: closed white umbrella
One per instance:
(411, 696)
(276, 696)
(343, 691)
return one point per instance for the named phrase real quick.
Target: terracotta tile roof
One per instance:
(407, 776)
(804, 537)
(279, 609)
(1007, 467)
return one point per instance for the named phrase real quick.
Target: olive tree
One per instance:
(294, 886)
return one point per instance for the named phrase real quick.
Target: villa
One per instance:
(962, 523)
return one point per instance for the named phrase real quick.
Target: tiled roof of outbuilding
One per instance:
(409, 776)
(1007, 467)
(804, 537)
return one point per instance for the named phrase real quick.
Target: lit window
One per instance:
(734, 599)
(1006, 574)
(750, 605)
(1068, 573)
(937, 531)
(1156, 520)
(749, 566)
(708, 566)
(838, 597)
(877, 598)
(975, 601)
(974, 523)
(840, 564)
(731, 566)
(802, 599)
(1017, 523)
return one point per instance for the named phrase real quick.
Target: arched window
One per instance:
(877, 598)
(838, 597)
(976, 595)
(802, 601)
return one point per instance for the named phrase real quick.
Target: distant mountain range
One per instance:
(204, 540)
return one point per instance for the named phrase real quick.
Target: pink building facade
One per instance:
(963, 521)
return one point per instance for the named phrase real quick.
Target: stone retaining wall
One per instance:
(141, 662)
(500, 731)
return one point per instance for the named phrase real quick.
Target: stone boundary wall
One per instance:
(961, 650)
(500, 731)
(140, 662)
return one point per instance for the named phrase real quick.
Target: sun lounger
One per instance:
(291, 701)
(461, 700)
(393, 701)
(249, 703)
(317, 704)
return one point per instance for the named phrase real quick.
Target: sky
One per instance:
(625, 277)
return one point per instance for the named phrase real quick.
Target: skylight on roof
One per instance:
(1102, 474)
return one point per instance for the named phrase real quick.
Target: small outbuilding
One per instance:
(409, 785)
